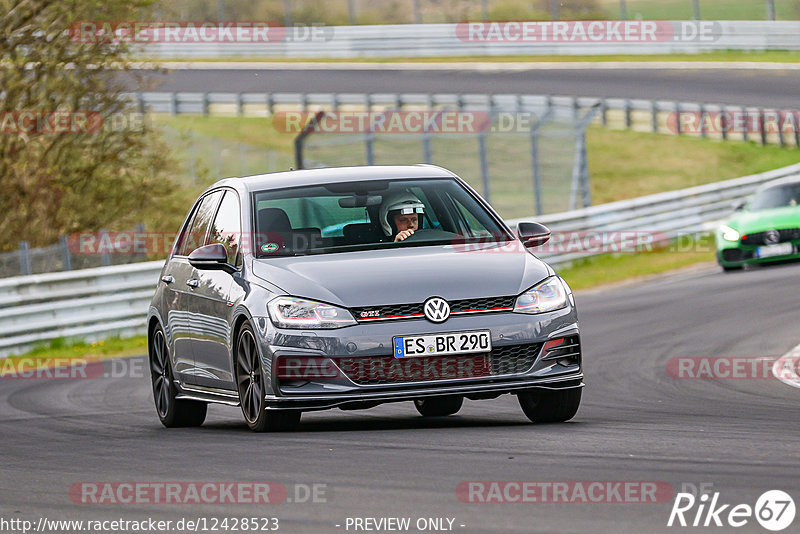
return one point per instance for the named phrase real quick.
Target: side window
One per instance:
(202, 219)
(227, 227)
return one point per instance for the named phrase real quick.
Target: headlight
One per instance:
(729, 234)
(546, 296)
(291, 312)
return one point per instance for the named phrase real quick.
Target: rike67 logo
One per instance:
(774, 510)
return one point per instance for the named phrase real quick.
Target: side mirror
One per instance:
(738, 205)
(213, 256)
(533, 234)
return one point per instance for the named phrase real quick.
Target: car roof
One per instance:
(795, 179)
(327, 175)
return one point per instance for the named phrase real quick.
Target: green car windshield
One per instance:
(348, 216)
(778, 196)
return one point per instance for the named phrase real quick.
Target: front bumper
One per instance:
(734, 255)
(544, 365)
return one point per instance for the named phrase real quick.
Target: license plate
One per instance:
(443, 344)
(781, 249)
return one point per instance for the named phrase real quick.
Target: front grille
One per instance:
(377, 370)
(758, 238)
(411, 311)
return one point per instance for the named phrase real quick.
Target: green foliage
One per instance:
(88, 177)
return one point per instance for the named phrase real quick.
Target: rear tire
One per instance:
(171, 412)
(439, 406)
(544, 406)
(250, 382)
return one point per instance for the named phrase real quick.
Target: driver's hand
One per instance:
(405, 234)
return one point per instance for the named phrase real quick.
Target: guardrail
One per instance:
(90, 303)
(99, 302)
(717, 121)
(429, 40)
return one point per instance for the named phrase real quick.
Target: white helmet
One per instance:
(403, 201)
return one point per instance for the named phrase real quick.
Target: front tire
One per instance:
(544, 406)
(439, 406)
(251, 381)
(171, 412)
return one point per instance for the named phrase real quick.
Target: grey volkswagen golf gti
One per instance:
(351, 287)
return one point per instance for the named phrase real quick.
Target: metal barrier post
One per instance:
(702, 113)
(745, 134)
(781, 138)
(484, 165)
(654, 116)
(105, 257)
(426, 148)
(67, 257)
(628, 118)
(24, 258)
(537, 179)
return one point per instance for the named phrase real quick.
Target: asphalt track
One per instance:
(636, 423)
(767, 88)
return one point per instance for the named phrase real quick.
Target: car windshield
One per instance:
(349, 216)
(778, 196)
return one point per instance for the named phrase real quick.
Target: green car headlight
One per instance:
(729, 234)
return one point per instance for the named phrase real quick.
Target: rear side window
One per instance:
(199, 226)
(227, 228)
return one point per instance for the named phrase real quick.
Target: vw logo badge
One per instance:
(772, 237)
(437, 309)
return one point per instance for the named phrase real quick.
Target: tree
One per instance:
(74, 154)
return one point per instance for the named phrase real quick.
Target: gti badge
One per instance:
(437, 309)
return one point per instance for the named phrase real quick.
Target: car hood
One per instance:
(748, 222)
(404, 276)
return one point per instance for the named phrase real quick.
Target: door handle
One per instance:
(168, 279)
(193, 282)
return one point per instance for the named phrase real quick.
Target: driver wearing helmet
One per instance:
(400, 215)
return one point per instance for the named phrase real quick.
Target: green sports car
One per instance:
(765, 228)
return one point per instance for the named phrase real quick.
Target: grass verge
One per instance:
(59, 350)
